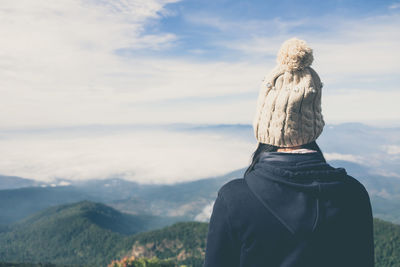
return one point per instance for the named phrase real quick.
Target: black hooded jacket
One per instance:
(291, 210)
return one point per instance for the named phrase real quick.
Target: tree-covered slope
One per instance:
(83, 232)
(6, 264)
(16, 204)
(183, 243)
(92, 234)
(387, 243)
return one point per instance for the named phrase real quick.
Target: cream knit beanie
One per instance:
(289, 104)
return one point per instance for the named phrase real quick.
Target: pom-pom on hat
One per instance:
(294, 54)
(289, 104)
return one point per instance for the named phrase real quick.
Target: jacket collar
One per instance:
(290, 186)
(294, 166)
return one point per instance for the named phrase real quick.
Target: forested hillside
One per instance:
(92, 234)
(80, 233)
(184, 243)
(387, 243)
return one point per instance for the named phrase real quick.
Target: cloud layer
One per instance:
(144, 155)
(74, 63)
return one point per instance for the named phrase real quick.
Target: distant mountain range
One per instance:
(39, 217)
(16, 204)
(92, 234)
(181, 201)
(13, 182)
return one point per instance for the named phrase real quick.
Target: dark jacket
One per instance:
(291, 210)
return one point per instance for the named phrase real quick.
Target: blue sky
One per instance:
(72, 64)
(203, 27)
(188, 20)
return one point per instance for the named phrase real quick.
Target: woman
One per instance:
(291, 208)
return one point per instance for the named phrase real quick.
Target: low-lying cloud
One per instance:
(142, 155)
(345, 157)
(205, 214)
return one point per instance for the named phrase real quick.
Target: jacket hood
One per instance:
(291, 187)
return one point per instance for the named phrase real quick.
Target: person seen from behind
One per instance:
(291, 208)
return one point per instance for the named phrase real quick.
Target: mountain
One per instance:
(387, 243)
(193, 200)
(13, 182)
(6, 264)
(92, 234)
(186, 200)
(83, 232)
(370, 154)
(185, 243)
(109, 190)
(16, 204)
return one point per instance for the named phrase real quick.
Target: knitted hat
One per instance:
(289, 104)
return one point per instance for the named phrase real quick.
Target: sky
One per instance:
(72, 64)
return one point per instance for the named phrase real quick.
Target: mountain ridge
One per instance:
(73, 233)
(70, 235)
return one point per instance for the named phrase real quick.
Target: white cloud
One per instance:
(356, 58)
(392, 149)
(343, 47)
(386, 173)
(146, 156)
(110, 102)
(64, 183)
(60, 66)
(383, 193)
(394, 6)
(360, 105)
(205, 214)
(58, 57)
(364, 47)
(239, 27)
(345, 157)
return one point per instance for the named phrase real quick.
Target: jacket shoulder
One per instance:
(354, 187)
(359, 188)
(234, 191)
(232, 187)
